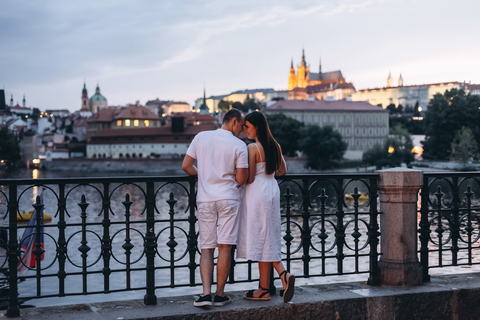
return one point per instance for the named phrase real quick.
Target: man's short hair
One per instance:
(232, 113)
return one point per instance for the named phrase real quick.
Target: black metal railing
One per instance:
(139, 233)
(449, 217)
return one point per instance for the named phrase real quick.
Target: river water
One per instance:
(50, 286)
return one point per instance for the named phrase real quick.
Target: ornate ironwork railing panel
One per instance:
(449, 217)
(139, 233)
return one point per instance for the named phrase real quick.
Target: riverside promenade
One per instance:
(449, 297)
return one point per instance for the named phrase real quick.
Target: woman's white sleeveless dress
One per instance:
(259, 236)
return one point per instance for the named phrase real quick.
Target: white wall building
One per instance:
(361, 124)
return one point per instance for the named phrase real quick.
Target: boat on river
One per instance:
(25, 216)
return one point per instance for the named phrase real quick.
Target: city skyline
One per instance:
(147, 50)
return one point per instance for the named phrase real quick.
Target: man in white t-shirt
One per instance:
(222, 161)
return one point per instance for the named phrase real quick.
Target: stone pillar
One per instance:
(398, 192)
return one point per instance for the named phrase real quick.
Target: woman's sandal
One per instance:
(249, 295)
(287, 294)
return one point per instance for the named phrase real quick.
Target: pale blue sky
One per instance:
(141, 50)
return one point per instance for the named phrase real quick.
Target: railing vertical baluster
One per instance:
(306, 234)
(455, 221)
(13, 309)
(424, 229)
(172, 243)
(469, 229)
(355, 234)
(323, 235)
(62, 243)
(150, 245)
(192, 234)
(84, 248)
(106, 240)
(38, 251)
(127, 246)
(288, 234)
(340, 229)
(373, 235)
(439, 230)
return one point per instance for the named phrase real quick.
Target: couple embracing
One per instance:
(225, 217)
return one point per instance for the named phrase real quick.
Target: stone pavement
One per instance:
(445, 297)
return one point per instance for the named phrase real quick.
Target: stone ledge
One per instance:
(445, 297)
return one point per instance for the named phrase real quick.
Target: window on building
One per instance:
(325, 118)
(127, 122)
(340, 118)
(140, 155)
(347, 119)
(135, 123)
(332, 119)
(146, 122)
(120, 155)
(119, 123)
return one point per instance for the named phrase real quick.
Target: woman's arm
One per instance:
(282, 169)
(252, 154)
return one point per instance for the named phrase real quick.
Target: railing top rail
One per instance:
(452, 174)
(128, 179)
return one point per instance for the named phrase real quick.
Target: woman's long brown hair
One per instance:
(265, 137)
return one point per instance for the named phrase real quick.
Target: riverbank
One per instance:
(444, 297)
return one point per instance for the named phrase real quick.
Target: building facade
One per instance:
(361, 124)
(170, 141)
(95, 103)
(408, 96)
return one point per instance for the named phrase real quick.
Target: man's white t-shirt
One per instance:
(218, 154)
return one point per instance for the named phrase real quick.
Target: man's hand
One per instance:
(188, 166)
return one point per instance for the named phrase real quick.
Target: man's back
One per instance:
(218, 153)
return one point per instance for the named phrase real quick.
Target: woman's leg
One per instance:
(278, 265)
(264, 270)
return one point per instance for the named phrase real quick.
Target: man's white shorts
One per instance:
(218, 223)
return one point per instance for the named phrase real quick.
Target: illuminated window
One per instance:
(127, 123)
(147, 123)
(135, 123)
(119, 123)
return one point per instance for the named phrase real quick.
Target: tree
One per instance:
(224, 105)
(250, 104)
(9, 148)
(396, 150)
(287, 132)
(464, 146)
(322, 146)
(446, 114)
(239, 106)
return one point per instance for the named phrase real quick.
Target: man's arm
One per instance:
(188, 166)
(241, 176)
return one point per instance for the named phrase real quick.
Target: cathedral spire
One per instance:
(400, 81)
(303, 64)
(320, 66)
(24, 103)
(291, 65)
(389, 80)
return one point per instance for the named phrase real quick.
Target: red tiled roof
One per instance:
(149, 135)
(322, 105)
(194, 116)
(136, 112)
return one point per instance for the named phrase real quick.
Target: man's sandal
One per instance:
(249, 295)
(287, 294)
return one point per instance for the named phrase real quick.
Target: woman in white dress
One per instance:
(260, 223)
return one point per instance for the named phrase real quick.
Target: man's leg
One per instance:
(206, 270)
(223, 267)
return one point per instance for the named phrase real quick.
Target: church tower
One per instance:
(303, 72)
(400, 81)
(24, 103)
(11, 100)
(85, 105)
(389, 80)
(292, 78)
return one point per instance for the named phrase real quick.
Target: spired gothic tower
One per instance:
(303, 72)
(292, 78)
(85, 105)
(389, 80)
